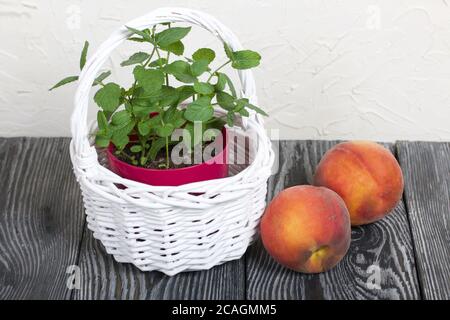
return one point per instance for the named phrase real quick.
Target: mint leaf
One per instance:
(120, 136)
(240, 104)
(122, 130)
(245, 59)
(64, 81)
(165, 96)
(128, 106)
(177, 123)
(84, 55)
(170, 114)
(136, 58)
(228, 51)
(120, 141)
(136, 148)
(230, 118)
(154, 121)
(143, 161)
(225, 100)
(174, 116)
(145, 36)
(101, 77)
(199, 110)
(156, 146)
(204, 54)
(230, 83)
(165, 130)
(243, 112)
(143, 111)
(120, 117)
(158, 63)
(101, 140)
(199, 67)
(143, 128)
(221, 82)
(185, 92)
(258, 110)
(108, 97)
(169, 96)
(136, 39)
(176, 48)
(203, 88)
(102, 121)
(170, 36)
(150, 80)
(181, 71)
(147, 98)
(244, 103)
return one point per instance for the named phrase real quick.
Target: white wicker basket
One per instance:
(171, 229)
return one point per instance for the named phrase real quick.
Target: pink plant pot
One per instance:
(214, 168)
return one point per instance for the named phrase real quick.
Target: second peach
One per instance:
(367, 177)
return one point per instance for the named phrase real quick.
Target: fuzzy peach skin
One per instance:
(366, 175)
(306, 229)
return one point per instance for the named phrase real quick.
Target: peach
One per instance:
(306, 229)
(367, 177)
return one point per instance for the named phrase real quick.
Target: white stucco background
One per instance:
(349, 69)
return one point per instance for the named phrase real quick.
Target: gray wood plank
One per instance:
(383, 248)
(104, 278)
(41, 218)
(426, 167)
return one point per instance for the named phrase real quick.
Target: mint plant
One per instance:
(143, 116)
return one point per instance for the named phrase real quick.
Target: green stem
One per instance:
(152, 139)
(219, 68)
(146, 63)
(161, 65)
(167, 62)
(150, 58)
(167, 153)
(167, 147)
(167, 58)
(142, 142)
(123, 153)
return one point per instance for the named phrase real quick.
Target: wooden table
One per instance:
(43, 232)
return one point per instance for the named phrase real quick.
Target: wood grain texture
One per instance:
(426, 168)
(41, 218)
(42, 222)
(383, 248)
(104, 278)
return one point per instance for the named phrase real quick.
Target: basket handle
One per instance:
(79, 127)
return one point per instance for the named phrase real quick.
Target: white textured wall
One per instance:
(331, 69)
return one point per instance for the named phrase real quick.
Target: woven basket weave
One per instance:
(171, 229)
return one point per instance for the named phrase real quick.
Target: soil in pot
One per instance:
(160, 161)
(177, 174)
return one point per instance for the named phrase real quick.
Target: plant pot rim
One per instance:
(111, 148)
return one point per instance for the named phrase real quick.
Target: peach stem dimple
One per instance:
(318, 255)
